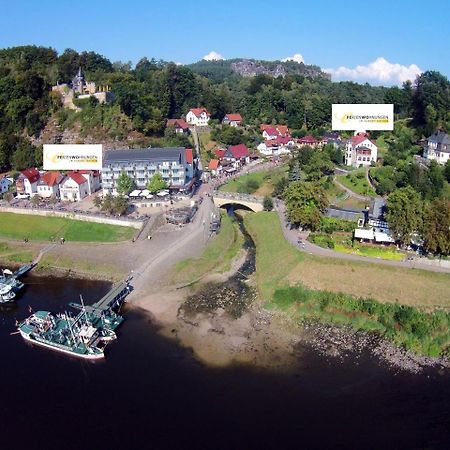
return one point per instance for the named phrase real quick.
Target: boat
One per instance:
(10, 278)
(85, 335)
(7, 294)
(66, 334)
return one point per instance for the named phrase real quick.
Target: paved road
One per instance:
(293, 236)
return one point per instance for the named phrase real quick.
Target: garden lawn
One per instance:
(257, 183)
(356, 181)
(39, 228)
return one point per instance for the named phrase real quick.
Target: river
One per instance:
(150, 393)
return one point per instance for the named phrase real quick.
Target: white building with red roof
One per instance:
(180, 126)
(234, 120)
(73, 187)
(277, 146)
(198, 117)
(26, 182)
(48, 184)
(237, 154)
(360, 151)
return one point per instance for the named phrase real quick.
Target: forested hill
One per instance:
(149, 93)
(219, 71)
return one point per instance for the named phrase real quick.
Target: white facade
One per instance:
(437, 147)
(199, 118)
(70, 190)
(46, 191)
(360, 152)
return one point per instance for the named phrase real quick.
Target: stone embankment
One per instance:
(340, 342)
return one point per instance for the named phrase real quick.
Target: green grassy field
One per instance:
(356, 181)
(332, 290)
(217, 257)
(257, 183)
(20, 226)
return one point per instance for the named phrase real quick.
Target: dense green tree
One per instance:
(404, 213)
(305, 203)
(125, 184)
(156, 183)
(268, 203)
(436, 227)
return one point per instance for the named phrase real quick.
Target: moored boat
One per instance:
(7, 294)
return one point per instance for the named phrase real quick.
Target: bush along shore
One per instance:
(403, 336)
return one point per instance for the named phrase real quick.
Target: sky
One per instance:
(380, 42)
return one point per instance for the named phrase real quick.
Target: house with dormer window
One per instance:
(360, 151)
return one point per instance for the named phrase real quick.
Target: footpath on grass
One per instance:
(293, 236)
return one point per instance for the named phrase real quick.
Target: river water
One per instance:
(150, 393)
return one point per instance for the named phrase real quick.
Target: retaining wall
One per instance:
(70, 215)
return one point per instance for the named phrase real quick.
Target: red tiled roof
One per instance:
(213, 164)
(31, 174)
(271, 131)
(283, 130)
(219, 153)
(239, 151)
(177, 123)
(77, 177)
(189, 156)
(51, 178)
(356, 140)
(198, 111)
(264, 127)
(233, 117)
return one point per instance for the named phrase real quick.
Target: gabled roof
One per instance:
(50, 179)
(219, 153)
(213, 164)
(32, 175)
(177, 123)
(77, 177)
(356, 140)
(189, 156)
(439, 137)
(264, 126)
(239, 151)
(271, 131)
(198, 111)
(233, 117)
(283, 130)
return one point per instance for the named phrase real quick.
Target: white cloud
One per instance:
(213, 56)
(297, 57)
(381, 71)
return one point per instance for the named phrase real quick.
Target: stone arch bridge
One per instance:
(230, 198)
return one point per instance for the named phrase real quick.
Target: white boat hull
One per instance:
(96, 356)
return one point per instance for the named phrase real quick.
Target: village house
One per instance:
(308, 140)
(270, 133)
(48, 184)
(4, 185)
(332, 138)
(93, 178)
(26, 182)
(220, 153)
(437, 147)
(238, 155)
(175, 164)
(277, 146)
(234, 120)
(215, 167)
(178, 125)
(73, 187)
(360, 151)
(198, 117)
